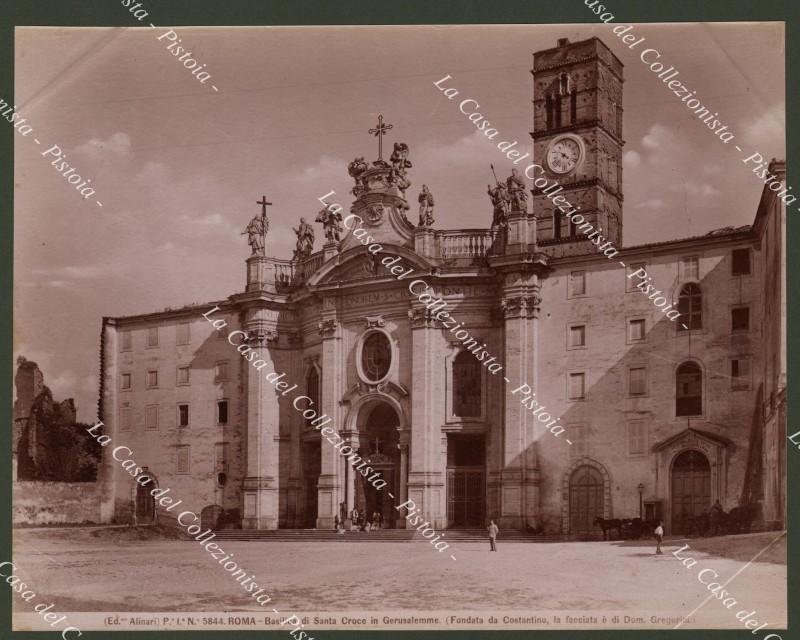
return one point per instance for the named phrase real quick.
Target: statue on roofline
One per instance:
(425, 207)
(517, 191)
(331, 223)
(500, 203)
(305, 240)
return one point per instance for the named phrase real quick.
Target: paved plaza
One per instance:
(84, 571)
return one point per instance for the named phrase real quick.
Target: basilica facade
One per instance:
(661, 417)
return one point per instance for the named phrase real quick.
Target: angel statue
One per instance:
(425, 207)
(305, 240)
(356, 169)
(399, 159)
(331, 224)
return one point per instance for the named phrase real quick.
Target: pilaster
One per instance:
(330, 486)
(426, 467)
(519, 477)
(260, 488)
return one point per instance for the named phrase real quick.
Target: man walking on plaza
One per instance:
(493, 531)
(659, 533)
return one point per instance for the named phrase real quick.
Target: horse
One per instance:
(741, 518)
(697, 525)
(608, 525)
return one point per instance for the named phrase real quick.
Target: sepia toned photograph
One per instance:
(428, 327)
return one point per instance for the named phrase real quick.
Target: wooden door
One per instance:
(585, 500)
(691, 489)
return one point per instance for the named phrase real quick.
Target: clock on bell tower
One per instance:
(577, 140)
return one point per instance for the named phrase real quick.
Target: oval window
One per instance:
(376, 356)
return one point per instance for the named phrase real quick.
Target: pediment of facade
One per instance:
(690, 438)
(358, 265)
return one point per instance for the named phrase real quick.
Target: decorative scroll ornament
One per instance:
(375, 321)
(420, 317)
(520, 306)
(260, 337)
(374, 214)
(327, 328)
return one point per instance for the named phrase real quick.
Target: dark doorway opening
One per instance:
(379, 448)
(145, 503)
(312, 465)
(466, 485)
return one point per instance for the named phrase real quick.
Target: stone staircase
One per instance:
(382, 535)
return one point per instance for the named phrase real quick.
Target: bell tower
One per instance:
(577, 139)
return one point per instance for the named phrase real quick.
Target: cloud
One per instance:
(653, 203)
(767, 133)
(118, 145)
(696, 189)
(474, 148)
(326, 168)
(657, 138)
(631, 159)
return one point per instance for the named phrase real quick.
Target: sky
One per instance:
(179, 166)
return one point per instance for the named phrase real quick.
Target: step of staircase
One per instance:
(383, 535)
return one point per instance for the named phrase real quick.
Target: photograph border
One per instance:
(110, 13)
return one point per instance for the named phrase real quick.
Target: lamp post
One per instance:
(641, 489)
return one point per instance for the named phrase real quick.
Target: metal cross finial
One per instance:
(379, 132)
(264, 204)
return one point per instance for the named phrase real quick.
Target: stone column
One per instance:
(330, 485)
(260, 492)
(425, 477)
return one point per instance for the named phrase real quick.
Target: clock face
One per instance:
(563, 155)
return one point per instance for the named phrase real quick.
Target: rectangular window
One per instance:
(152, 379)
(152, 337)
(221, 371)
(183, 415)
(632, 280)
(182, 459)
(151, 416)
(127, 341)
(576, 386)
(740, 373)
(182, 333)
(579, 436)
(577, 283)
(636, 330)
(637, 381)
(637, 437)
(740, 262)
(577, 335)
(125, 419)
(222, 412)
(740, 319)
(690, 265)
(125, 381)
(183, 375)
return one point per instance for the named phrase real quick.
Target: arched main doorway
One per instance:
(691, 488)
(585, 500)
(378, 439)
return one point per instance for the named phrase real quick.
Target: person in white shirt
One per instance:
(493, 531)
(659, 534)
